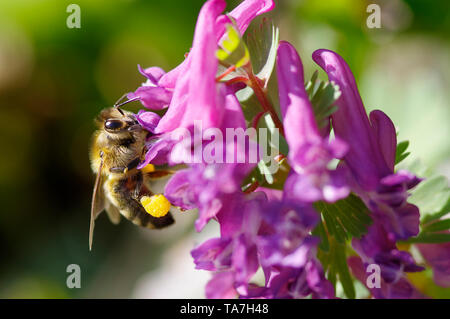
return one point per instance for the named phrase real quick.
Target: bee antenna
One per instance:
(117, 105)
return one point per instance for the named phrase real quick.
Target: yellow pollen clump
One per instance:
(156, 205)
(149, 168)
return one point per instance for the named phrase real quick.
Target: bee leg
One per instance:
(132, 209)
(119, 169)
(160, 174)
(133, 164)
(137, 190)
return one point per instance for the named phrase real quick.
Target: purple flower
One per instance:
(286, 240)
(370, 163)
(214, 187)
(294, 283)
(438, 257)
(309, 153)
(209, 187)
(379, 247)
(288, 252)
(371, 156)
(221, 286)
(195, 94)
(161, 148)
(152, 94)
(214, 254)
(234, 256)
(274, 235)
(401, 289)
(243, 14)
(148, 120)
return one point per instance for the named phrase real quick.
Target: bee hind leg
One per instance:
(131, 208)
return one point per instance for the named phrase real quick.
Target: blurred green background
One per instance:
(54, 80)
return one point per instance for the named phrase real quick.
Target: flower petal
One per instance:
(386, 136)
(351, 124)
(438, 257)
(148, 120)
(153, 73)
(152, 97)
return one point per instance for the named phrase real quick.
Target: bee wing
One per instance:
(113, 213)
(98, 203)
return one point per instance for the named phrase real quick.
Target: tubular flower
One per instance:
(192, 83)
(370, 163)
(438, 257)
(378, 247)
(371, 156)
(288, 252)
(195, 94)
(234, 256)
(152, 94)
(402, 289)
(273, 235)
(309, 153)
(211, 188)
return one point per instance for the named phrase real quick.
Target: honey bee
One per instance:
(118, 146)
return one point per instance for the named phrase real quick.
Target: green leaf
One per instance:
(432, 196)
(249, 103)
(430, 238)
(322, 95)
(440, 225)
(340, 221)
(320, 232)
(345, 218)
(334, 262)
(234, 52)
(343, 272)
(262, 41)
(401, 153)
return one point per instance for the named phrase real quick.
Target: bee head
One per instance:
(115, 121)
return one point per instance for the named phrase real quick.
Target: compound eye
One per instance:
(114, 125)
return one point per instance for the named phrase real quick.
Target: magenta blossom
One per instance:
(234, 256)
(273, 235)
(152, 94)
(371, 156)
(309, 153)
(214, 187)
(379, 247)
(438, 257)
(195, 94)
(401, 289)
(211, 188)
(370, 164)
(288, 252)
